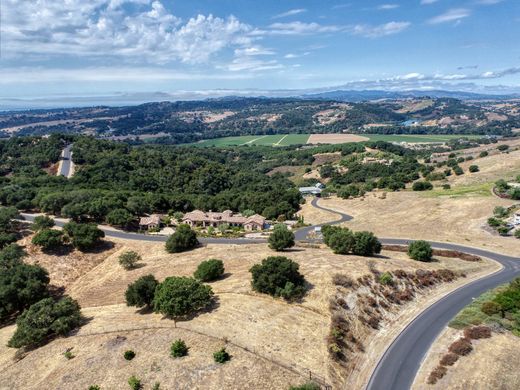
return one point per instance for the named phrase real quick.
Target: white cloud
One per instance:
(427, 2)
(384, 7)
(292, 55)
(452, 15)
(489, 2)
(299, 28)
(380, 30)
(102, 28)
(291, 12)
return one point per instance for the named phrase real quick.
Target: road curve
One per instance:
(66, 162)
(398, 366)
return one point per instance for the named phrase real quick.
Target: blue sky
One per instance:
(96, 47)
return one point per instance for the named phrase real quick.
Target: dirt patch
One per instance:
(335, 138)
(326, 158)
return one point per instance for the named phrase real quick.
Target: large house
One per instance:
(212, 219)
(315, 190)
(150, 222)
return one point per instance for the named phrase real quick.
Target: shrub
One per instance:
(502, 147)
(437, 374)
(461, 347)
(278, 276)
(48, 239)
(21, 285)
(477, 332)
(42, 222)
(458, 170)
(420, 251)
(517, 233)
(180, 296)
(494, 222)
(221, 356)
(44, 319)
(11, 256)
(68, 355)
(281, 238)
(156, 386)
(473, 168)
(500, 212)
(490, 308)
(446, 187)
(134, 383)
(129, 355)
(142, 291)
(306, 386)
(6, 239)
(366, 244)
(209, 270)
(182, 240)
(422, 186)
(341, 241)
(85, 236)
(503, 230)
(449, 359)
(342, 280)
(178, 349)
(129, 259)
(483, 154)
(386, 278)
(94, 387)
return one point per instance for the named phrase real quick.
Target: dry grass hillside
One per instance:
(273, 343)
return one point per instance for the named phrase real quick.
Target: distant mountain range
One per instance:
(132, 99)
(357, 96)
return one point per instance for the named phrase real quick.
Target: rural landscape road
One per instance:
(66, 162)
(398, 366)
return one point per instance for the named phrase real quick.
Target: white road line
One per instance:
(253, 140)
(280, 140)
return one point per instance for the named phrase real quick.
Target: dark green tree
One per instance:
(84, 236)
(209, 270)
(42, 222)
(278, 276)
(182, 240)
(281, 238)
(141, 292)
(420, 250)
(44, 319)
(119, 217)
(48, 239)
(181, 296)
(21, 286)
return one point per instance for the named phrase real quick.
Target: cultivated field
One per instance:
(295, 139)
(274, 344)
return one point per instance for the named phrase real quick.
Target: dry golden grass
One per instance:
(493, 364)
(335, 138)
(415, 215)
(274, 343)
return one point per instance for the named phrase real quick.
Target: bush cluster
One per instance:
(278, 276)
(420, 251)
(182, 240)
(209, 270)
(343, 241)
(129, 259)
(178, 349)
(281, 238)
(221, 356)
(422, 186)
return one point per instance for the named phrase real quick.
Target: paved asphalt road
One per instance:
(65, 163)
(398, 366)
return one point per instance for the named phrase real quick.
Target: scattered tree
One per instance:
(42, 222)
(483, 154)
(209, 270)
(45, 319)
(119, 217)
(422, 186)
(129, 355)
(134, 383)
(11, 256)
(502, 148)
(84, 236)
(181, 296)
(278, 276)
(141, 292)
(420, 250)
(473, 168)
(281, 238)
(182, 240)
(20, 286)
(48, 239)
(129, 259)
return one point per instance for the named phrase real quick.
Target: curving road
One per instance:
(66, 162)
(398, 366)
